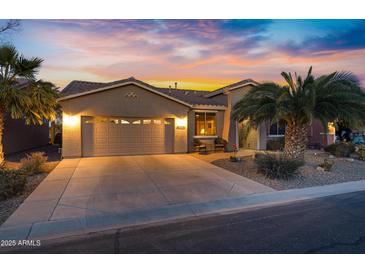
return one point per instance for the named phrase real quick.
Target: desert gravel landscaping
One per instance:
(8, 206)
(344, 170)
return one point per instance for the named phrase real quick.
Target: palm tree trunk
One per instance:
(53, 132)
(296, 138)
(2, 118)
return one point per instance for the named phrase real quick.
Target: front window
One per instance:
(205, 123)
(277, 129)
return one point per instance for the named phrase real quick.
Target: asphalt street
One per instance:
(334, 224)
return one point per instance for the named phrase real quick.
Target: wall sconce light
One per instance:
(181, 123)
(70, 120)
(331, 128)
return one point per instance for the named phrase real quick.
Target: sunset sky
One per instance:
(201, 54)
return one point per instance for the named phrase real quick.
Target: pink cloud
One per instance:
(191, 53)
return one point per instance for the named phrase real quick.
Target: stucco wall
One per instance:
(191, 129)
(236, 95)
(180, 140)
(18, 136)
(126, 101)
(129, 101)
(262, 136)
(71, 136)
(316, 134)
(251, 141)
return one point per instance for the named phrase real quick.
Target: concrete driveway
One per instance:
(78, 188)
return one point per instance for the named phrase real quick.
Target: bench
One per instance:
(220, 144)
(199, 146)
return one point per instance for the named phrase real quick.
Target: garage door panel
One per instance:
(126, 136)
(146, 140)
(157, 132)
(101, 141)
(157, 140)
(114, 133)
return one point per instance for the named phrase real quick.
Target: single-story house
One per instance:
(130, 117)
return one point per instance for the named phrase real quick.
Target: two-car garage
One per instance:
(129, 118)
(105, 136)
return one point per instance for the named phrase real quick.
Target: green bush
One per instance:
(12, 182)
(327, 165)
(275, 144)
(276, 166)
(342, 149)
(33, 163)
(360, 151)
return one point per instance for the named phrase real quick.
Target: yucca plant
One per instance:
(34, 101)
(328, 98)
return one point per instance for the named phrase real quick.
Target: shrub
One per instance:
(276, 166)
(327, 165)
(12, 182)
(342, 149)
(275, 144)
(33, 163)
(360, 151)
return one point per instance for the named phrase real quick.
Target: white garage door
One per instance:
(103, 136)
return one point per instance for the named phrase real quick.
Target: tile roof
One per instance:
(193, 97)
(76, 86)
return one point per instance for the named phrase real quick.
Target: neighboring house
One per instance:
(17, 136)
(130, 117)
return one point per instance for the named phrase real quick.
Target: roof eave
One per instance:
(213, 107)
(221, 91)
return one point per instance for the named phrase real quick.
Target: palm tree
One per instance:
(328, 98)
(21, 95)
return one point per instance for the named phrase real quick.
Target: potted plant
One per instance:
(234, 157)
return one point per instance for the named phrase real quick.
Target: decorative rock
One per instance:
(320, 168)
(349, 159)
(331, 157)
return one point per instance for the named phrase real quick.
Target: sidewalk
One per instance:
(76, 226)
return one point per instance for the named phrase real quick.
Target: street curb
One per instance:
(95, 223)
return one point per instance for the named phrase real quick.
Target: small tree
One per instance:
(328, 98)
(32, 100)
(9, 25)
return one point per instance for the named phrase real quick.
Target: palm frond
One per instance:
(36, 100)
(258, 104)
(336, 96)
(8, 54)
(27, 68)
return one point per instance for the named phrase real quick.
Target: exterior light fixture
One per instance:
(70, 120)
(331, 135)
(331, 128)
(181, 123)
